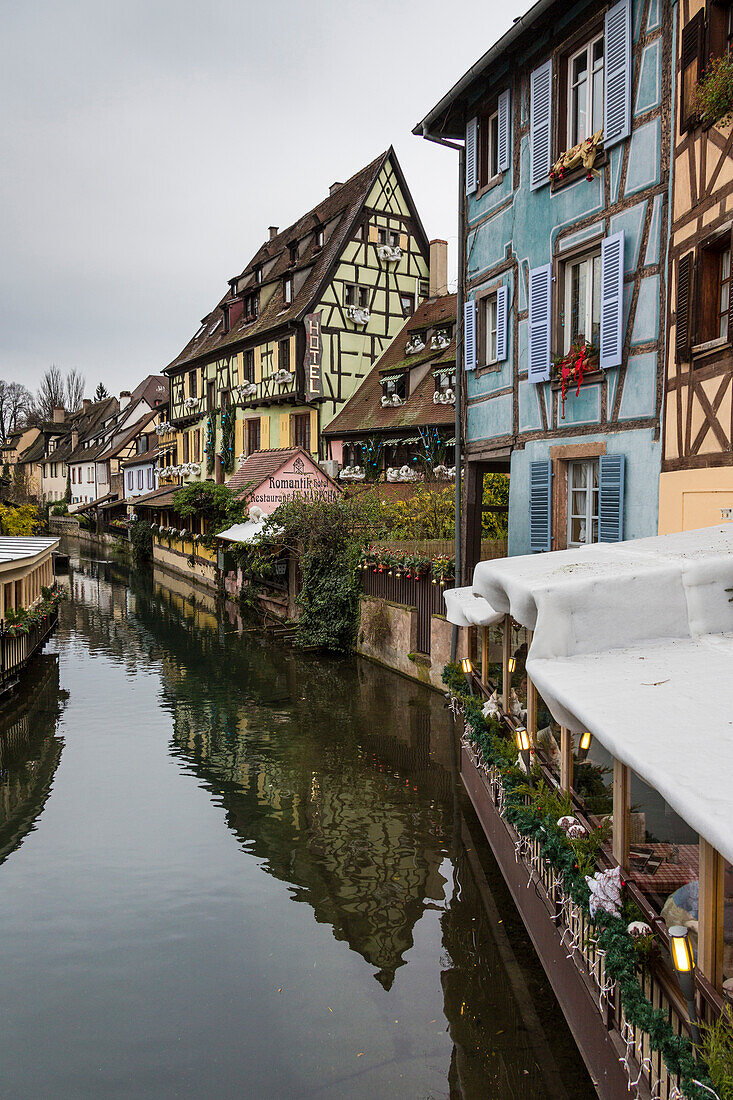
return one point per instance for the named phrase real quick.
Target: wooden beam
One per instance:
(485, 654)
(531, 701)
(710, 916)
(566, 758)
(621, 805)
(505, 655)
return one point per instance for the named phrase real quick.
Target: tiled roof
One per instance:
(261, 464)
(341, 208)
(159, 498)
(364, 412)
(87, 423)
(130, 434)
(153, 389)
(147, 456)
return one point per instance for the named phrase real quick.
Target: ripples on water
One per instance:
(171, 782)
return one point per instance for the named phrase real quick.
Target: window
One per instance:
(302, 430)
(288, 290)
(398, 385)
(186, 446)
(713, 295)
(582, 304)
(192, 383)
(359, 234)
(585, 92)
(692, 49)
(129, 480)
(583, 502)
(355, 295)
(389, 237)
(424, 288)
(283, 355)
(487, 330)
(293, 250)
(488, 148)
(90, 475)
(211, 395)
(150, 477)
(253, 435)
(248, 365)
(251, 307)
(407, 301)
(140, 478)
(196, 445)
(319, 237)
(258, 273)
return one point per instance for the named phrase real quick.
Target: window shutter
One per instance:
(683, 313)
(469, 335)
(611, 498)
(540, 505)
(612, 300)
(502, 296)
(540, 125)
(471, 155)
(503, 130)
(540, 298)
(617, 84)
(691, 59)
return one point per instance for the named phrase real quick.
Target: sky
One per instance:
(148, 145)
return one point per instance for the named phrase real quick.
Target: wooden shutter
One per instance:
(540, 126)
(469, 335)
(611, 498)
(185, 446)
(683, 324)
(540, 300)
(612, 300)
(540, 505)
(503, 128)
(502, 301)
(617, 83)
(691, 59)
(471, 155)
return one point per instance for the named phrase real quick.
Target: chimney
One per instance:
(59, 414)
(86, 403)
(438, 268)
(124, 399)
(74, 438)
(334, 188)
(273, 231)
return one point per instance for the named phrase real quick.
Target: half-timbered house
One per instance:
(298, 329)
(696, 482)
(566, 131)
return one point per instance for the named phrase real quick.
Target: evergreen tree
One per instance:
(101, 392)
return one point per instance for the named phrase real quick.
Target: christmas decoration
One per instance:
(605, 892)
(571, 368)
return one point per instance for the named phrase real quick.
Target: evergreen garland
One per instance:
(489, 737)
(210, 443)
(227, 440)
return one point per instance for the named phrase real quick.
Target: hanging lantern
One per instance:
(585, 740)
(512, 664)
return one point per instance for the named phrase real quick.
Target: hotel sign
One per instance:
(312, 360)
(299, 477)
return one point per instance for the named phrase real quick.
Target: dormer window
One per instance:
(251, 307)
(258, 273)
(288, 290)
(293, 249)
(395, 388)
(319, 237)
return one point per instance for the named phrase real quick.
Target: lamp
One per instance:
(684, 964)
(511, 664)
(523, 745)
(468, 672)
(585, 740)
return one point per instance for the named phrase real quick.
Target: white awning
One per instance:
(250, 531)
(634, 641)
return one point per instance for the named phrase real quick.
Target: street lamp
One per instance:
(468, 672)
(523, 746)
(585, 740)
(684, 963)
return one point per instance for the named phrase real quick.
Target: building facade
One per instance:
(299, 328)
(567, 145)
(696, 482)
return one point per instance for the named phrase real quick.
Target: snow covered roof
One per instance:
(633, 641)
(17, 547)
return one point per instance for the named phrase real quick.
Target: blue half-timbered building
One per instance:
(566, 125)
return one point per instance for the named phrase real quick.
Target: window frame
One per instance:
(563, 340)
(248, 365)
(288, 290)
(283, 354)
(404, 296)
(387, 236)
(302, 420)
(706, 312)
(253, 426)
(591, 490)
(483, 300)
(488, 149)
(570, 139)
(361, 295)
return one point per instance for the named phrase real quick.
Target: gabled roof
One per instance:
(153, 389)
(261, 464)
(133, 431)
(147, 456)
(87, 423)
(337, 213)
(364, 412)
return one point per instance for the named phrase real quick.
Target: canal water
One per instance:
(232, 869)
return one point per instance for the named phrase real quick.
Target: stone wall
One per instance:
(63, 525)
(388, 634)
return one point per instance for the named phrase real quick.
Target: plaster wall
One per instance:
(689, 499)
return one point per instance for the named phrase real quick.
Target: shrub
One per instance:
(714, 93)
(21, 519)
(717, 1043)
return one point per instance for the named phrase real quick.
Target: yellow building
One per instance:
(297, 331)
(696, 483)
(25, 567)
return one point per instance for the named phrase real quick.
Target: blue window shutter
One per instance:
(540, 301)
(540, 126)
(617, 83)
(611, 498)
(502, 301)
(540, 505)
(612, 300)
(469, 335)
(471, 155)
(504, 129)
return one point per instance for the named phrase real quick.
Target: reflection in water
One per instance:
(337, 783)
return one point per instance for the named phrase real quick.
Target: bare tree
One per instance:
(16, 403)
(51, 393)
(75, 384)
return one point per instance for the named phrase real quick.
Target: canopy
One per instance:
(633, 641)
(243, 532)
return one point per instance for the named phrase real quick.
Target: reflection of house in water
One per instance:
(322, 800)
(29, 751)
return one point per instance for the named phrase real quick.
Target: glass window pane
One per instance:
(493, 145)
(723, 332)
(725, 264)
(595, 333)
(580, 475)
(579, 502)
(724, 290)
(578, 289)
(597, 123)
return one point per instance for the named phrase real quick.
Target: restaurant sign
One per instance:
(298, 477)
(312, 360)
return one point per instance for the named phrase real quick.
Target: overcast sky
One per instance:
(147, 145)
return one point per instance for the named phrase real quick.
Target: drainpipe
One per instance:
(460, 297)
